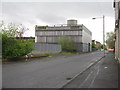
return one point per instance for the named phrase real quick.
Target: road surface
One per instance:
(104, 74)
(48, 72)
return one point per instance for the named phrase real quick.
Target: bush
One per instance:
(13, 48)
(93, 45)
(67, 44)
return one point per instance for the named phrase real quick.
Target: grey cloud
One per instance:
(54, 12)
(51, 18)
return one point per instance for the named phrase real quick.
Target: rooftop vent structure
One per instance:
(72, 22)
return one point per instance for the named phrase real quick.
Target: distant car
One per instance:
(111, 50)
(102, 49)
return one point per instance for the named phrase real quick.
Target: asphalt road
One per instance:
(48, 72)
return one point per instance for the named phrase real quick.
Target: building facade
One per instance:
(97, 43)
(78, 33)
(117, 29)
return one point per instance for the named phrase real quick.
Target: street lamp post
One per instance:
(103, 32)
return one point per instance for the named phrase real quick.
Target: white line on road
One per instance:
(94, 77)
(86, 79)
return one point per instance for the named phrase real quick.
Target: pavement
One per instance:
(104, 74)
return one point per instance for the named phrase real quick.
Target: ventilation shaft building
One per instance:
(79, 33)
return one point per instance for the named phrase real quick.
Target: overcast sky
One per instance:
(50, 13)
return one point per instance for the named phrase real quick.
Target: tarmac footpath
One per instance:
(104, 74)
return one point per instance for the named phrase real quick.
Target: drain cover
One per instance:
(68, 78)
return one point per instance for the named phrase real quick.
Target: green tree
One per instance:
(12, 30)
(67, 44)
(93, 45)
(102, 46)
(12, 47)
(111, 40)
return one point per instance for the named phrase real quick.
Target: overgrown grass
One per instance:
(41, 56)
(65, 52)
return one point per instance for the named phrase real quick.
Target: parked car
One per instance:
(111, 50)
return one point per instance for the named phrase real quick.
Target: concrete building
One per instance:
(117, 29)
(79, 33)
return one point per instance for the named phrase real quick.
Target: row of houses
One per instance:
(97, 43)
(117, 28)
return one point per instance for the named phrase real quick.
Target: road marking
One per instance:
(94, 77)
(86, 79)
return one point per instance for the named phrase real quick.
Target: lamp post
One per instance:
(103, 31)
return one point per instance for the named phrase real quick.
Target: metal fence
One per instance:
(46, 48)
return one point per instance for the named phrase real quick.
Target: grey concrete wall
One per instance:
(86, 39)
(79, 47)
(46, 48)
(55, 48)
(85, 48)
(86, 35)
(82, 47)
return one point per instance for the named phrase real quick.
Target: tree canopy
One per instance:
(111, 40)
(12, 47)
(12, 30)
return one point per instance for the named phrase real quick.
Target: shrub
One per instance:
(93, 45)
(13, 48)
(67, 44)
